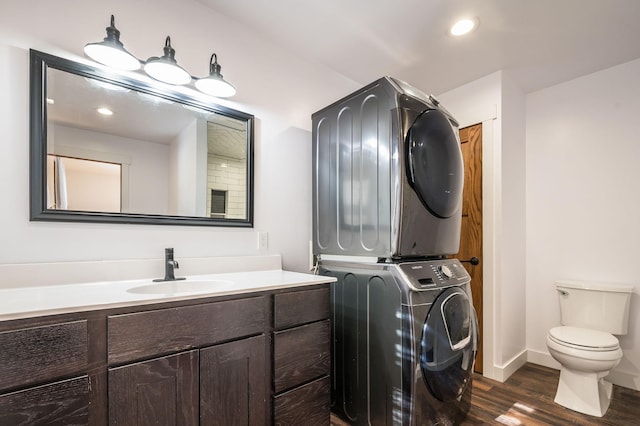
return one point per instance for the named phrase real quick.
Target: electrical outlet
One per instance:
(263, 240)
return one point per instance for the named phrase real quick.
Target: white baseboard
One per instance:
(624, 379)
(502, 373)
(542, 358)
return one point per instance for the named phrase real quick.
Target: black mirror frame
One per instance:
(39, 62)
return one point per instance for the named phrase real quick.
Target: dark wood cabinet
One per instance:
(254, 359)
(307, 404)
(61, 403)
(301, 358)
(234, 383)
(32, 362)
(140, 335)
(38, 354)
(162, 391)
(221, 384)
(301, 354)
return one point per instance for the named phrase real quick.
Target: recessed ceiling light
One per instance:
(464, 26)
(105, 111)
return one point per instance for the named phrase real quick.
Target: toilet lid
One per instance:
(583, 338)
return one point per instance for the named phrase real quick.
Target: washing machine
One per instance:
(404, 341)
(387, 175)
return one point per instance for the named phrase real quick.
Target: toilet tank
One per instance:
(596, 306)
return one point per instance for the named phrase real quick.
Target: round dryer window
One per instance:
(435, 168)
(448, 344)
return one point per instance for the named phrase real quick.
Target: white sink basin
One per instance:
(181, 287)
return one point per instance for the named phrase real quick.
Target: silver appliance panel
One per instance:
(365, 202)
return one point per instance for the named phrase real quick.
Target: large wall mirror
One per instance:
(107, 147)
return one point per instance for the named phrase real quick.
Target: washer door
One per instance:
(435, 168)
(448, 344)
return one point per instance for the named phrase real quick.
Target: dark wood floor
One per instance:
(526, 398)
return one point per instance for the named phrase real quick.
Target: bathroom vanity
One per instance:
(258, 355)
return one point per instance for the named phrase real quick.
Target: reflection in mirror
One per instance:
(80, 184)
(121, 150)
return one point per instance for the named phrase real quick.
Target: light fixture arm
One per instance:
(113, 34)
(169, 52)
(214, 67)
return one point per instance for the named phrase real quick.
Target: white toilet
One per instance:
(585, 346)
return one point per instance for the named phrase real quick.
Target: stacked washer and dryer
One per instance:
(387, 200)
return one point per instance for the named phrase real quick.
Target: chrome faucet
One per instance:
(170, 265)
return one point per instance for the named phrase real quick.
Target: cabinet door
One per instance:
(162, 391)
(233, 383)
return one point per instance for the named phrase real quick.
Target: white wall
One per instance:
(498, 104)
(563, 205)
(279, 89)
(512, 226)
(583, 198)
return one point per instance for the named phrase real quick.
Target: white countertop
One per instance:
(31, 301)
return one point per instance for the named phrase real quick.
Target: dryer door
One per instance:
(448, 344)
(435, 168)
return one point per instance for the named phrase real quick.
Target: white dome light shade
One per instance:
(463, 26)
(112, 56)
(215, 85)
(166, 72)
(166, 68)
(111, 52)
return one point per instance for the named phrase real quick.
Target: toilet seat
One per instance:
(584, 339)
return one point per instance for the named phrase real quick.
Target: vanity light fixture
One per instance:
(111, 51)
(166, 68)
(215, 85)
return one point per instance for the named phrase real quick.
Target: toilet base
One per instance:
(584, 392)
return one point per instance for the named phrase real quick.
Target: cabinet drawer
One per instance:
(300, 307)
(64, 403)
(39, 354)
(301, 354)
(306, 405)
(146, 334)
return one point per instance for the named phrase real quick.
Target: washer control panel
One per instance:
(429, 274)
(445, 271)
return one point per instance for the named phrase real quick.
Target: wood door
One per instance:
(471, 234)
(234, 383)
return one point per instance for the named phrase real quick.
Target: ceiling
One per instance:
(538, 42)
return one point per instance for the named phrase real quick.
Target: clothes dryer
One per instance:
(387, 175)
(405, 339)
